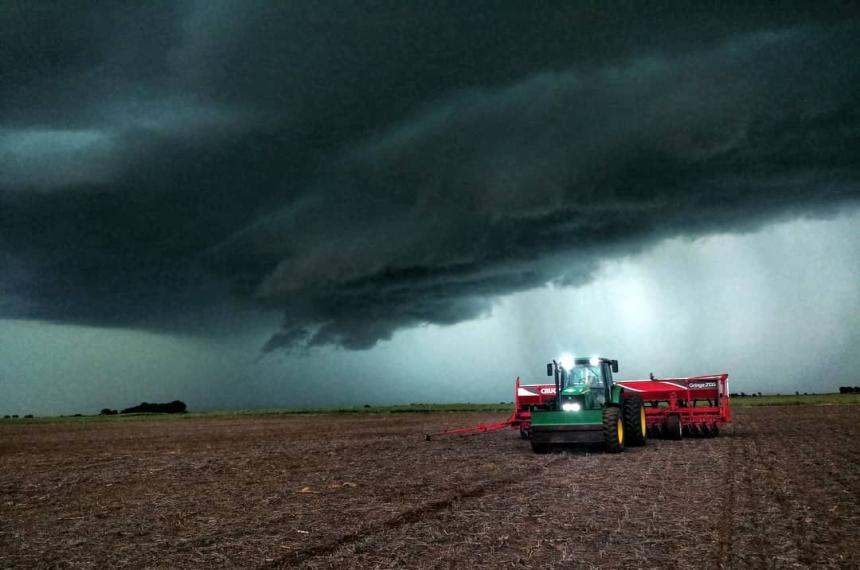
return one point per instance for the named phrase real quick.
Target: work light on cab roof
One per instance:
(566, 361)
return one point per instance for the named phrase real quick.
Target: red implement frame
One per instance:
(683, 397)
(526, 397)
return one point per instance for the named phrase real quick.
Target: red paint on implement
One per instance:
(526, 396)
(681, 397)
(663, 397)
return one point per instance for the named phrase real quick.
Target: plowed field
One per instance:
(780, 488)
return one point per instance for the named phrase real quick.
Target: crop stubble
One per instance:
(779, 489)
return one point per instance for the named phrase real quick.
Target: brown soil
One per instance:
(778, 489)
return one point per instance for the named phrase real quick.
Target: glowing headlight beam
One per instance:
(595, 360)
(566, 361)
(571, 407)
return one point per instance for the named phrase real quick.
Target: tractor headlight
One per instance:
(595, 360)
(571, 407)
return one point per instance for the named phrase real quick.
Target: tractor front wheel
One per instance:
(613, 430)
(635, 426)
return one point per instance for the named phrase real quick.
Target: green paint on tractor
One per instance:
(588, 408)
(567, 418)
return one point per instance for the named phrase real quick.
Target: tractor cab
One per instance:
(582, 383)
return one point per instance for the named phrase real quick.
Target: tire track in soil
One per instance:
(413, 515)
(742, 542)
(751, 455)
(798, 507)
(727, 517)
(780, 508)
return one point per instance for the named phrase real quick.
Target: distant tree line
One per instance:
(758, 394)
(842, 390)
(174, 407)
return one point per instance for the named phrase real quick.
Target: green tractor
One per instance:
(588, 408)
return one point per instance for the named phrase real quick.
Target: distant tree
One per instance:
(367, 406)
(14, 415)
(6, 417)
(28, 416)
(796, 393)
(759, 394)
(857, 389)
(845, 389)
(174, 407)
(108, 412)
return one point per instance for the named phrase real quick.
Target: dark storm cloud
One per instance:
(482, 193)
(368, 168)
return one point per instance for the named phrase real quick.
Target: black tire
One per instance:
(672, 428)
(613, 430)
(635, 426)
(539, 447)
(715, 431)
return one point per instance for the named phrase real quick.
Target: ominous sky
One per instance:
(254, 204)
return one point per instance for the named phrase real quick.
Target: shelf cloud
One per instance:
(365, 170)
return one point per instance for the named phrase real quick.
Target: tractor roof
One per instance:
(588, 360)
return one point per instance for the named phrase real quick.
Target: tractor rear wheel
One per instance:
(635, 426)
(539, 447)
(613, 429)
(672, 427)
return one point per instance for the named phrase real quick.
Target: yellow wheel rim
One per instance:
(642, 421)
(620, 433)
